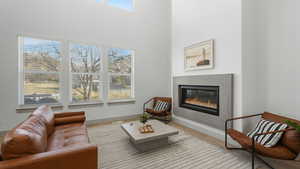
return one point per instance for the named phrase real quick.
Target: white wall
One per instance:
(252, 64)
(199, 20)
(281, 51)
(147, 30)
(257, 40)
(270, 62)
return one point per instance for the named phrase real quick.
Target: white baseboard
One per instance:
(202, 128)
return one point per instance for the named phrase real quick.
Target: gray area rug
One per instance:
(183, 152)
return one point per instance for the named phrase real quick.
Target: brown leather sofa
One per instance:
(47, 140)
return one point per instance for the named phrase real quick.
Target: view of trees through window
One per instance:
(85, 68)
(42, 62)
(43, 67)
(119, 67)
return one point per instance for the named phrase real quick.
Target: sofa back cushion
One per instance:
(30, 137)
(47, 115)
(290, 139)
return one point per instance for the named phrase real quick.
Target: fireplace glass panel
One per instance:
(203, 98)
(200, 98)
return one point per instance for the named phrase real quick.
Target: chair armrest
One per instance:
(69, 117)
(68, 114)
(79, 157)
(237, 118)
(144, 106)
(232, 119)
(244, 117)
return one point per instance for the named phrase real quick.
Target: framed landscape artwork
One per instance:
(199, 56)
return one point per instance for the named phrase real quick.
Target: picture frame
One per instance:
(199, 56)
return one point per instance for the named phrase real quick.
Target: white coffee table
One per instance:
(149, 141)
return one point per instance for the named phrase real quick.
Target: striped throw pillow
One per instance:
(263, 126)
(161, 106)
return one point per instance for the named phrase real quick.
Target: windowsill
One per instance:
(84, 104)
(24, 108)
(121, 101)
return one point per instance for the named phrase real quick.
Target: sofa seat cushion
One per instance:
(278, 151)
(67, 136)
(30, 137)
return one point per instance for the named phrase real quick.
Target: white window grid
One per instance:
(131, 74)
(100, 73)
(22, 70)
(65, 73)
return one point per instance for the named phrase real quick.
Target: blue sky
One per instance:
(120, 52)
(34, 41)
(124, 4)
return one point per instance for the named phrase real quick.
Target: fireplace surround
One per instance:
(212, 113)
(199, 98)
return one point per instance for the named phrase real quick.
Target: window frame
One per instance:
(132, 80)
(65, 74)
(22, 71)
(100, 74)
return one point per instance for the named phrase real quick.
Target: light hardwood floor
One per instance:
(280, 164)
(192, 132)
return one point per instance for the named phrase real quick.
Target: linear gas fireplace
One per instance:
(200, 98)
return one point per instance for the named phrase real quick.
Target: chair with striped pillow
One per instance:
(159, 108)
(271, 138)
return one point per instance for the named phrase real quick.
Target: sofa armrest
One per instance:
(79, 157)
(68, 114)
(69, 119)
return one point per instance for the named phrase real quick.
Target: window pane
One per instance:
(41, 88)
(41, 55)
(85, 87)
(85, 58)
(119, 60)
(120, 87)
(124, 4)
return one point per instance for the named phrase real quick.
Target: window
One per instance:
(85, 63)
(40, 63)
(120, 71)
(123, 4)
(45, 68)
